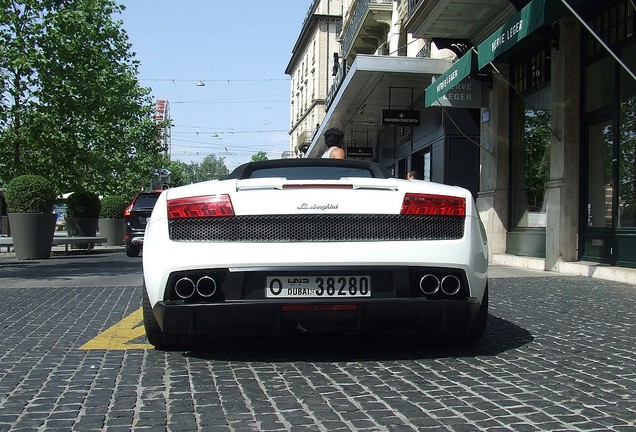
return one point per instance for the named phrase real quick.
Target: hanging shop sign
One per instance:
(359, 152)
(400, 117)
(466, 94)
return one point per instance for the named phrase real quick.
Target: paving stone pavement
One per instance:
(559, 354)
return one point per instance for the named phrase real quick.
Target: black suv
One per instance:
(137, 215)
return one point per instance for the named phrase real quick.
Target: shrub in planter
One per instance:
(82, 215)
(83, 204)
(29, 194)
(113, 207)
(30, 200)
(111, 220)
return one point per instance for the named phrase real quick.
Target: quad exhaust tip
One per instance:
(185, 288)
(205, 286)
(450, 285)
(431, 284)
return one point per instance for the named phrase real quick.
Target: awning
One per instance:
(364, 93)
(520, 25)
(453, 76)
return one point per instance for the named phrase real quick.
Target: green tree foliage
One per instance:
(177, 173)
(72, 106)
(260, 156)
(210, 168)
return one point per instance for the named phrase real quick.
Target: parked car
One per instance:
(313, 245)
(136, 216)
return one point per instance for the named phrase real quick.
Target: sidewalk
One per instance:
(580, 268)
(536, 265)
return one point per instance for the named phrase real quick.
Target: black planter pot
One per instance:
(32, 234)
(81, 227)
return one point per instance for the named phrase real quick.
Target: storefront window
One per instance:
(627, 167)
(599, 84)
(530, 147)
(627, 160)
(531, 166)
(611, 186)
(600, 177)
(427, 166)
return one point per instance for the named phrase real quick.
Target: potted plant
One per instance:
(82, 215)
(111, 219)
(30, 200)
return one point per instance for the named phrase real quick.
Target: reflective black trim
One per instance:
(317, 228)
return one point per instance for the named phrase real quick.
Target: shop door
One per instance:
(463, 164)
(598, 239)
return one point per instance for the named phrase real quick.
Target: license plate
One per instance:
(318, 286)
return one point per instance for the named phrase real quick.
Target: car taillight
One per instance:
(433, 205)
(128, 209)
(200, 206)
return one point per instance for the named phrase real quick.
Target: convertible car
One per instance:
(313, 245)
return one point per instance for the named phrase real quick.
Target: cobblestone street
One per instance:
(559, 353)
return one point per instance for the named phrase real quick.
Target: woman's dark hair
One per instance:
(333, 137)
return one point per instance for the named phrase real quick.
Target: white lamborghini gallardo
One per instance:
(313, 245)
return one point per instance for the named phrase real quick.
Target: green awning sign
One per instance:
(449, 79)
(516, 28)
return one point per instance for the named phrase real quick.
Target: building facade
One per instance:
(378, 93)
(527, 103)
(556, 128)
(311, 71)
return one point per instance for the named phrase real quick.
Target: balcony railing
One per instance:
(356, 20)
(337, 82)
(413, 4)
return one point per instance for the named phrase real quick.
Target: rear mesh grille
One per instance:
(317, 228)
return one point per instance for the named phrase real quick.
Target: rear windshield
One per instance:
(146, 201)
(311, 173)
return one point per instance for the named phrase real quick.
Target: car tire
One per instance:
(473, 333)
(132, 250)
(157, 337)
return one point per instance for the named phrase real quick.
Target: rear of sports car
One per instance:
(276, 256)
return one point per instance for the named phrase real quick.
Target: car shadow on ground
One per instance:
(500, 336)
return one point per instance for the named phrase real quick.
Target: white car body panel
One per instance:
(278, 196)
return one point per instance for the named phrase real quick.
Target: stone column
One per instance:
(562, 194)
(492, 200)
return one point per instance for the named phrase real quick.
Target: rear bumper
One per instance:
(134, 238)
(351, 317)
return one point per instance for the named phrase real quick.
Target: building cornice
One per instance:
(303, 39)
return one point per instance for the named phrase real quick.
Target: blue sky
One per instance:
(240, 50)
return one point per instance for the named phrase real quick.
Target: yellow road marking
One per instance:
(121, 335)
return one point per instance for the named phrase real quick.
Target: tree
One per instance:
(212, 168)
(73, 107)
(178, 171)
(260, 156)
